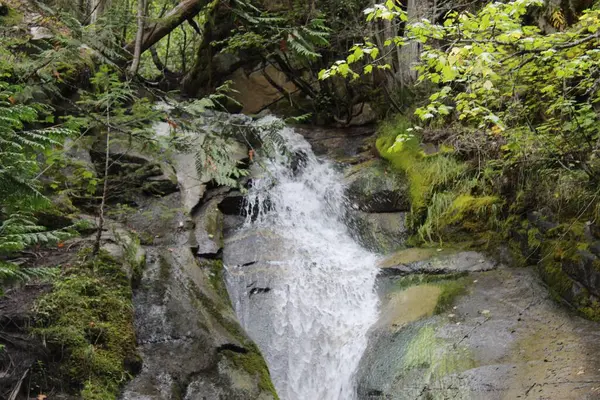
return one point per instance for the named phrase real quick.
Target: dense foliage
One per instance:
(505, 94)
(519, 100)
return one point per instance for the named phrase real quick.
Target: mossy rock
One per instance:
(379, 232)
(374, 187)
(86, 322)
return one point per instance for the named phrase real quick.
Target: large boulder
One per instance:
(254, 90)
(434, 262)
(208, 229)
(373, 187)
(379, 232)
(502, 338)
(188, 336)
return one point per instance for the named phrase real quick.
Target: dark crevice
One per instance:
(211, 256)
(259, 290)
(248, 264)
(232, 347)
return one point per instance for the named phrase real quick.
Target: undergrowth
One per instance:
(87, 324)
(443, 190)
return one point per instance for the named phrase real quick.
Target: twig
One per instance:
(17, 388)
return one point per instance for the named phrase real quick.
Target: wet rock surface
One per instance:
(406, 262)
(164, 226)
(504, 338)
(190, 341)
(373, 188)
(378, 232)
(347, 145)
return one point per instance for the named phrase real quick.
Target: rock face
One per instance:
(166, 229)
(406, 262)
(191, 344)
(254, 90)
(567, 257)
(374, 188)
(188, 336)
(503, 339)
(378, 232)
(379, 204)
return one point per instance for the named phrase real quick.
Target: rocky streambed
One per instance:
(400, 323)
(471, 329)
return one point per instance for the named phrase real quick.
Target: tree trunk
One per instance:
(137, 54)
(98, 7)
(154, 32)
(202, 75)
(409, 54)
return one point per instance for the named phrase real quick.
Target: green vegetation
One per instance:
(254, 364)
(451, 286)
(426, 351)
(441, 186)
(87, 324)
(510, 96)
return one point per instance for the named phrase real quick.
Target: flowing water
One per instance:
(307, 297)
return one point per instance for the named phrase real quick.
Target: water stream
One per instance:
(307, 296)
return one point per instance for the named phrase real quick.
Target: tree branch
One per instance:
(184, 11)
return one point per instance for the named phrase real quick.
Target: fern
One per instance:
(272, 32)
(19, 147)
(11, 272)
(214, 159)
(20, 195)
(20, 231)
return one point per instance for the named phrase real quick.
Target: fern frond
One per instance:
(12, 272)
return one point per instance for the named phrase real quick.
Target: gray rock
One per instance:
(363, 114)
(379, 232)
(246, 248)
(40, 33)
(373, 187)
(541, 221)
(182, 325)
(585, 269)
(190, 183)
(505, 339)
(460, 262)
(123, 245)
(208, 229)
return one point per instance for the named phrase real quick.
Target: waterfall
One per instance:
(305, 293)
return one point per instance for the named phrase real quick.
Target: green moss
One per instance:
(555, 252)
(466, 206)
(451, 289)
(591, 311)
(87, 324)
(451, 286)
(216, 278)
(426, 351)
(253, 363)
(420, 279)
(440, 188)
(13, 17)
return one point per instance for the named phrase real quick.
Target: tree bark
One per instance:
(154, 32)
(202, 74)
(137, 54)
(98, 7)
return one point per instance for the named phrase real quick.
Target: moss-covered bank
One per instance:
(86, 322)
(454, 199)
(446, 202)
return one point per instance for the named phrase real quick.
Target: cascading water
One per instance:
(305, 292)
